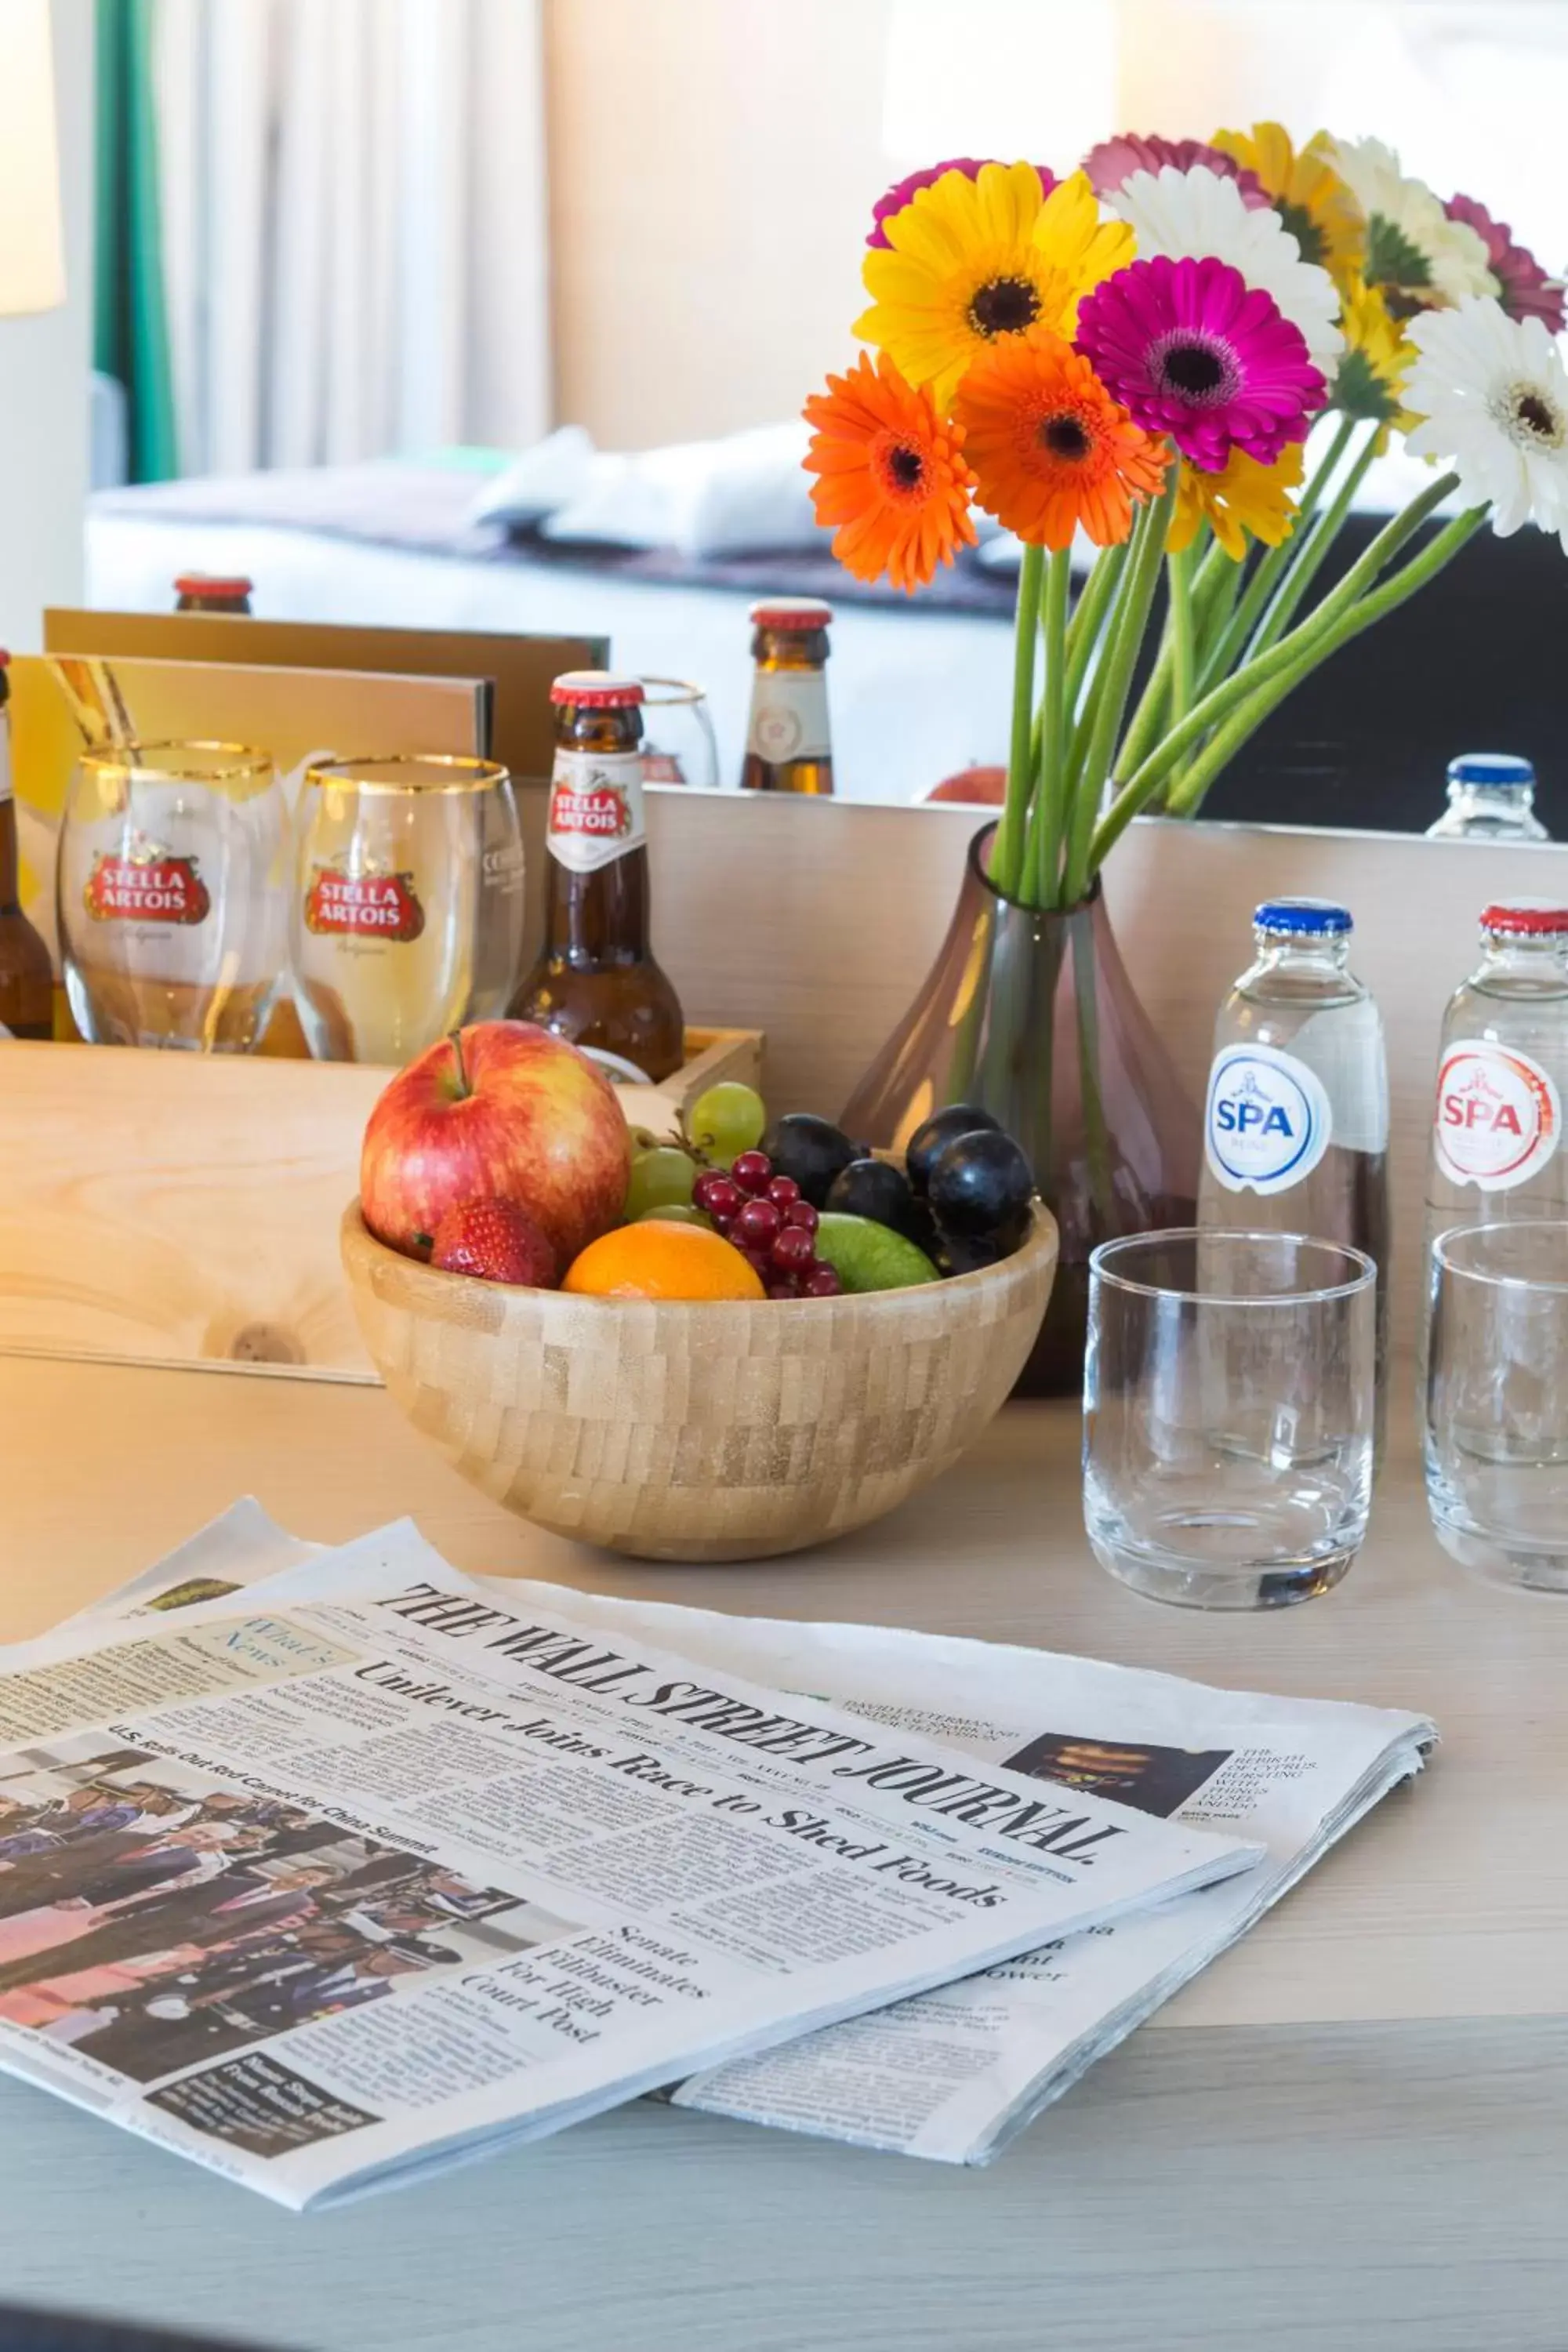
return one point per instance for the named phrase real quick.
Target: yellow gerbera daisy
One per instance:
(1377, 359)
(969, 262)
(1306, 193)
(1244, 497)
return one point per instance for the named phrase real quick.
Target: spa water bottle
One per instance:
(1296, 1118)
(1502, 1076)
(1492, 797)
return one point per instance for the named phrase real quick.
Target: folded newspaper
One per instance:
(327, 1869)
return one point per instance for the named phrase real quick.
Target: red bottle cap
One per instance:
(790, 613)
(596, 689)
(213, 583)
(1526, 918)
(4, 658)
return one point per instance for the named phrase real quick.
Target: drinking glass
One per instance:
(679, 746)
(1228, 1409)
(408, 902)
(1497, 1400)
(171, 891)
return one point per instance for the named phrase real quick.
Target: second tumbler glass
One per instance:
(1228, 1410)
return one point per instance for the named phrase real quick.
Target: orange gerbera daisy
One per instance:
(889, 475)
(1051, 448)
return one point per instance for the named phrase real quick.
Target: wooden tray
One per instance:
(184, 1209)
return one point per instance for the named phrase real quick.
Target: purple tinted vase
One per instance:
(1031, 1015)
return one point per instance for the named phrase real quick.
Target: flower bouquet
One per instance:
(1133, 357)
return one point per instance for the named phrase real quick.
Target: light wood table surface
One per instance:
(1352, 2132)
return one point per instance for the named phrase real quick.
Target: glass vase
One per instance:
(1030, 1013)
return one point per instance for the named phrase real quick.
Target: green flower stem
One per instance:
(1086, 624)
(1140, 788)
(1245, 721)
(1149, 714)
(1007, 850)
(1310, 557)
(1261, 585)
(1215, 592)
(1051, 799)
(1184, 644)
(1111, 686)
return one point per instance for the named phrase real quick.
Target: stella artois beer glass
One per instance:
(408, 904)
(172, 889)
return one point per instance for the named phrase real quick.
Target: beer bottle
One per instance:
(26, 976)
(788, 748)
(207, 591)
(595, 981)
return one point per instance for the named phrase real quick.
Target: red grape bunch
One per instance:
(765, 1218)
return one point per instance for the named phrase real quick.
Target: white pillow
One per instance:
(699, 498)
(553, 471)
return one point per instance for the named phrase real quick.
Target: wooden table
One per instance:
(1352, 2132)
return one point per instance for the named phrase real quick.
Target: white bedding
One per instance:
(915, 695)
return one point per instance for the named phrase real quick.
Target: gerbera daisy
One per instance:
(971, 261)
(1189, 215)
(1420, 257)
(1243, 499)
(1378, 357)
(892, 484)
(1113, 163)
(903, 192)
(1051, 448)
(1192, 350)
(1525, 290)
(1492, 394)
(1305, 190)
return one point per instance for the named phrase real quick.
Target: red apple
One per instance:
(988, 785)
(500, 1110)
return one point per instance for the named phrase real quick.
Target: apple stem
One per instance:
(464, 1089)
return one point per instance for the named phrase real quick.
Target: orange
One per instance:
(653, 1260)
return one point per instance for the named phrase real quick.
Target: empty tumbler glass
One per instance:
(1228, 1410)
(1497, 1400)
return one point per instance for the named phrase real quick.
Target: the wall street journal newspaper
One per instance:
(372, 1867)
(953, 2074)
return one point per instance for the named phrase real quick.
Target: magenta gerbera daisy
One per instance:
(1113, 163)
(1524, 289)
(1190, 349)
(903, 192)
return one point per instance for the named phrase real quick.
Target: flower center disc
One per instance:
(1533, 422)
(1196, 371)
(1064, 437)
(1006, 305)
(903, 469)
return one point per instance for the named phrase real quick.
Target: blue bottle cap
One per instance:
(1305, 918)
(1490, 768)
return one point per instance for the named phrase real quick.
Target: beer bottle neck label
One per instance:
(595, 808)
(789, 716)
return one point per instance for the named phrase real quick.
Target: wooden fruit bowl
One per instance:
(698, 1429)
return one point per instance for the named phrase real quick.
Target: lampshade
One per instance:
(32, 264)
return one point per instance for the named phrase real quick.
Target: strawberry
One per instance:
(495, 1240)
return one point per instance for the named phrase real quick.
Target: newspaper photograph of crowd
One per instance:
(153, 1917)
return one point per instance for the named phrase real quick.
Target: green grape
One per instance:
(726, 1121)
(660, 1179)
(677, 1213)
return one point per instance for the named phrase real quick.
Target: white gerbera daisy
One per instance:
(1492, 395)
(1412, 246)
(1191, 214)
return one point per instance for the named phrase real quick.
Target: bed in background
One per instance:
(917, 689)
(920, 686)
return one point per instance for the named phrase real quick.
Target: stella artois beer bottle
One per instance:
(27, 978)
(788, 747)
(595, 981)
(209, 592)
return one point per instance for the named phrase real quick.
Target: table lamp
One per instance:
(32, 262)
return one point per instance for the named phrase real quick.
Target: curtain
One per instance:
(130, 334)
(354, 227)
